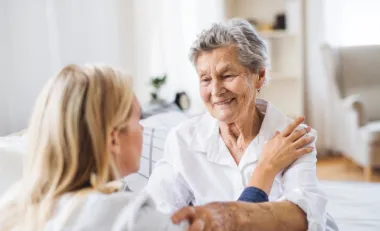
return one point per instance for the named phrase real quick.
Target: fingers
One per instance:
(304, 151)
(298, 134)
(187, 213)
(292, 126)
(302, 142)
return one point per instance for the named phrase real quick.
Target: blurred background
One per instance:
(324, 56)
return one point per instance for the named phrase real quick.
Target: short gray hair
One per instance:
(252, 50)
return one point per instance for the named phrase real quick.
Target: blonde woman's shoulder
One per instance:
(116, 212)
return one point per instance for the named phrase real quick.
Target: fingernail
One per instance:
(311, 149)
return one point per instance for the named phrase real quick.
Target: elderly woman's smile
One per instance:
(224, 103)
(225, 84)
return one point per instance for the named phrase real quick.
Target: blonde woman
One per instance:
(84, 134)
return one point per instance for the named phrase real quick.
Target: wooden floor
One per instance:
(341, 169)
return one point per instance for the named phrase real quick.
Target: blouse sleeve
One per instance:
(253, 195)
(166, 185)
(300, 186)
(140, 214)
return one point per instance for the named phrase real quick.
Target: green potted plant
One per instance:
(157, 82)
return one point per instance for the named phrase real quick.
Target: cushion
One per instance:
(370, 133)
(156, 128)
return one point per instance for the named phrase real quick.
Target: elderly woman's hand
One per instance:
(280, 152)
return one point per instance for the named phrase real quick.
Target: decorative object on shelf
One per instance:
(280, 22)
(157, 82)
(181, 103)
(182, 100)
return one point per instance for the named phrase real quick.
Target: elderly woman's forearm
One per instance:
(279, 216)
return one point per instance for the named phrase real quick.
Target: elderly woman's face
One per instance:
(227, 87)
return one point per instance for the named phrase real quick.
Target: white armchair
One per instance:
(354, 73)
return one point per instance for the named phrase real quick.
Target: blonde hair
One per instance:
(68, 137)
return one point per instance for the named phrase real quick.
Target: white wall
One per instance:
(4, 110)
(28, 58)
(45, 35)
(352, 22)
(317, 88)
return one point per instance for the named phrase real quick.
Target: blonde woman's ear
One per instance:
(114, 142)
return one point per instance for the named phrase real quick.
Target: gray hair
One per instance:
(252, 50)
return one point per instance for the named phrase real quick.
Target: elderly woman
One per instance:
(213, 157)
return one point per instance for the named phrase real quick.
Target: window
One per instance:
(352, 22)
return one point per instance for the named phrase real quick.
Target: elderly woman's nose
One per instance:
(217, 88)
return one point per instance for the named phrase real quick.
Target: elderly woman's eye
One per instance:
(228, 76)
(205, 80)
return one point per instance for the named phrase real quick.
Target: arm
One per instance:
(282, 215)
(299, 182)
(242, 216)
(166, 185)
(303, 206)
(300, 186)
(271, 216)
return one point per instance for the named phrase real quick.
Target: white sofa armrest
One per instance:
(12, 152)
(353, 103)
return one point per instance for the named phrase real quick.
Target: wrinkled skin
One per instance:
(242, 216)
(216, 216)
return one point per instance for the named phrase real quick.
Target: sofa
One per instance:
(354, 77)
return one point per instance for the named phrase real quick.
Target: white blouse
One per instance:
(198, 168)
(122, 211)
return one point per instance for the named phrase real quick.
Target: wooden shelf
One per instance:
(275, 34)
(276, 76)
(285, 48)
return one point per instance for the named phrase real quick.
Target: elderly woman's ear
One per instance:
(261, 78)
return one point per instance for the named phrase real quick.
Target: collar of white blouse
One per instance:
(206, 138)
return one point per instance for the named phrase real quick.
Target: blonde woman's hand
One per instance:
(280, 152)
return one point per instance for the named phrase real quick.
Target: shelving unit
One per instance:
(278, 76)
(275, 34)
(285, 76)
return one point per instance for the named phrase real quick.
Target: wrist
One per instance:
(262, 178)
(266, 169)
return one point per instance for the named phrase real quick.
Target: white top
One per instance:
(122, 211)
(198, 168)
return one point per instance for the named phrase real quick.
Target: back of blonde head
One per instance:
(68, 136)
